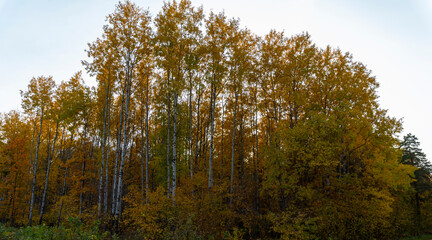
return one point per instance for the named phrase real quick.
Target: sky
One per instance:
(393, 38)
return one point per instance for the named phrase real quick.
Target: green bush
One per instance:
(72, 230)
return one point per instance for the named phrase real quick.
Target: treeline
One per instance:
(199, 128)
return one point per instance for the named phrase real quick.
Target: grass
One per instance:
(74, 231)
(422, 237)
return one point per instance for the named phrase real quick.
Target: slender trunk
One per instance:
(233, 149)
(62, 194)
(205, 143)
(142, 157)
(107, 147)
(256, 161)
(328, 180)
(118, 152)
(100, 186)
(190, 130)
(31, 160)
(89, 197)
(83, 168)
(222, 140)
(30, 165)
(213, 109)
(281, 196)
(241, 175)
(82, 187)
(174, 145)
(12, 212)
(107, 152)
(50, 159)
(147, 142)
(124, 148)
(101, 172)
(197, 150)
(168, 139)
(35, 168)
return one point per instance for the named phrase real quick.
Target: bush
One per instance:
(73, 230)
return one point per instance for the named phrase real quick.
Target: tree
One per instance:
(144, 86)
(15, 132)
(105, 69)
(177, 30)
(37, 98)
(218, 34)
(128, 34)
(414, 156)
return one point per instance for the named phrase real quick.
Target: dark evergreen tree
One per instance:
(413, 155)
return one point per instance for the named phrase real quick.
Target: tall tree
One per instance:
(37, 98)
(105, 67)
(413, 155)
(177, 28)
(129, 34)
(218, 33)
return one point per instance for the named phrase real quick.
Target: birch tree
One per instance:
(37, 98)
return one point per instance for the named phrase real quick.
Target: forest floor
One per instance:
(77, 231)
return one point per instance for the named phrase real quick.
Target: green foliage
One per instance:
(422, 237)
(294, 225)
(73, 230)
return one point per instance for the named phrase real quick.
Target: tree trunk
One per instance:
(222, 139)
(256, 160)
(31, 161)
(35, 168)
(142, 156)
(50, 159)
(168, 139)
(100, 187)
(101, 173)
(118, 153)
(233, 149)
(83, 169)
(147, 142)
(82, 186)
(107, 152)
(213, 109)
(190, 130)
(13, 197)
(174, 145)
(124, 148)
(62, 194)
(242, 168)
(197, 134)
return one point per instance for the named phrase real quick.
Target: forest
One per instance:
(198, 128)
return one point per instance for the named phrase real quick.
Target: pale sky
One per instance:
(393, 38)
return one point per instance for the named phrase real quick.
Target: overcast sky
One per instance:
(393, 38)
